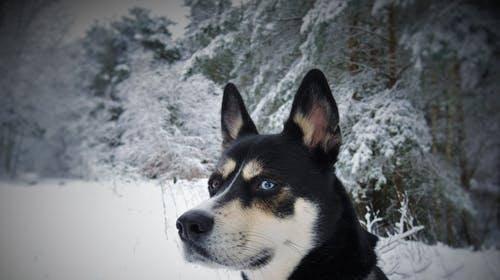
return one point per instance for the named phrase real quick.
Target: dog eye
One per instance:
(267, 185)
(214, 184)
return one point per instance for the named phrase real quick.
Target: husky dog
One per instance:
(276, 208)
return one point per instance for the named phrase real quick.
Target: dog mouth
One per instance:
(199, 254)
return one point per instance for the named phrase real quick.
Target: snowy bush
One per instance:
(383, 134)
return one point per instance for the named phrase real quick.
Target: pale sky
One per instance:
(85, 12)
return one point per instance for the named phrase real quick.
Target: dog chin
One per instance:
(196, 254)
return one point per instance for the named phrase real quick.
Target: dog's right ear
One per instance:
(235, 120)
(315, 118)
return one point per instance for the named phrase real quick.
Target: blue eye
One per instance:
(267, 185)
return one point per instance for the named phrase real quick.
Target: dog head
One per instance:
(268, 193)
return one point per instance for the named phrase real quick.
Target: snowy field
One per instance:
(69, 229)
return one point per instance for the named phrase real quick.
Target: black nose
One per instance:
(194, 224)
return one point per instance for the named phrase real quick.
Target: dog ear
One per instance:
(315, 118)
(235, 120)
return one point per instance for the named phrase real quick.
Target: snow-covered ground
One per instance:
(70, 229)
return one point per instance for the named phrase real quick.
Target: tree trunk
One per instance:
(352, 46)
(450, 127)
(449, 134)
(460, 128)
(450, 234)
(392, 46)
(434, 115)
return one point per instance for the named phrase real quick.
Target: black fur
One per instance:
(346, 253)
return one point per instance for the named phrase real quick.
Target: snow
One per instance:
(62, 229)
(125, 229)
(413, 260)
(379, 5)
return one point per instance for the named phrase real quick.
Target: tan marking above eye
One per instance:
(227, 167)
(252, 169)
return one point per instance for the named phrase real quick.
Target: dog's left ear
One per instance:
(315, 118)
(235, 120)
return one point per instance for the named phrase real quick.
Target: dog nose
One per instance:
(194, 224)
